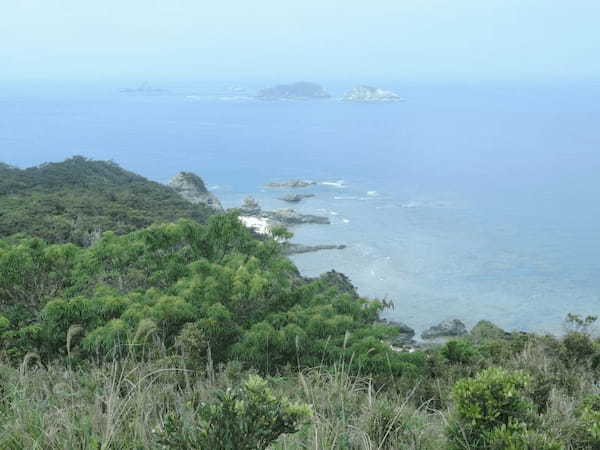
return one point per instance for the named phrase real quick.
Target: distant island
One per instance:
(301, 90)
(144, 89)
(370, 94)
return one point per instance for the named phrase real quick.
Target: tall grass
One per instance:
(125, 404)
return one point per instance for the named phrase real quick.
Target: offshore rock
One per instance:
(445, 329)
(370, 94)
(295, 198)
(251, 208)
(292, 217)
(291, 184)
(296, 91)
(191, 187)
(405, 334)
(294, 249)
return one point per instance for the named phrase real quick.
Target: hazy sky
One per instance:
(311, 39)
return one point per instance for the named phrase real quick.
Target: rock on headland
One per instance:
(191, 187)
(445, 329)
(370, 94)
(404, 333)
(296, 91)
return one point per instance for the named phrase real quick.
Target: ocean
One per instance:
(470, 201)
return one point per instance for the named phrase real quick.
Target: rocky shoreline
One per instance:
(442, 333)
(191, 187)
(285, 216)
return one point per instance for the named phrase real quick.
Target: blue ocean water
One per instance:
(467, 201)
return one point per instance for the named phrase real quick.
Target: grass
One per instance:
(125, 404)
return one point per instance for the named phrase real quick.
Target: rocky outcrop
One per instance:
(446, 329)
(296, 91)
(295, 198)
(370, 94)
(404, 334)
(291, 184)
(250, 207)
(292, 217)
(340, 281)
(294, 249)
(191, 187)
(485, 330)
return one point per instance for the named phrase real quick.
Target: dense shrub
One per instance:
(492, 404)
(518, 437)
(459, 351)
(588, 424)
(205, 290)
(250, 417)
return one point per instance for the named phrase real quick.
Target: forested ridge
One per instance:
(78, 199)
(173, 328)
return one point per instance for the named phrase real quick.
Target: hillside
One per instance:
(76, 200)
(191, 335)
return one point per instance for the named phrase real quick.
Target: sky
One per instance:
(411, 40)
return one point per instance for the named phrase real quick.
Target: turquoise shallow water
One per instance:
(464, 201)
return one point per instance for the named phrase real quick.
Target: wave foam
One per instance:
(338, 184)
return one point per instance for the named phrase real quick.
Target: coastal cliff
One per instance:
(191, 187)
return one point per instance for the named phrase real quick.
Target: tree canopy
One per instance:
(78, 199)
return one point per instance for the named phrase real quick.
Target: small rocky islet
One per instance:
(291, 184)
(295, 198)
(368, 94)
(304, 90)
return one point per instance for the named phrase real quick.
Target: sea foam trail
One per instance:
(337, 184)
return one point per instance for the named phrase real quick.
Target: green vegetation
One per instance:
(245, 418)
(78, 199)
(193, 335)
(198, 289)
